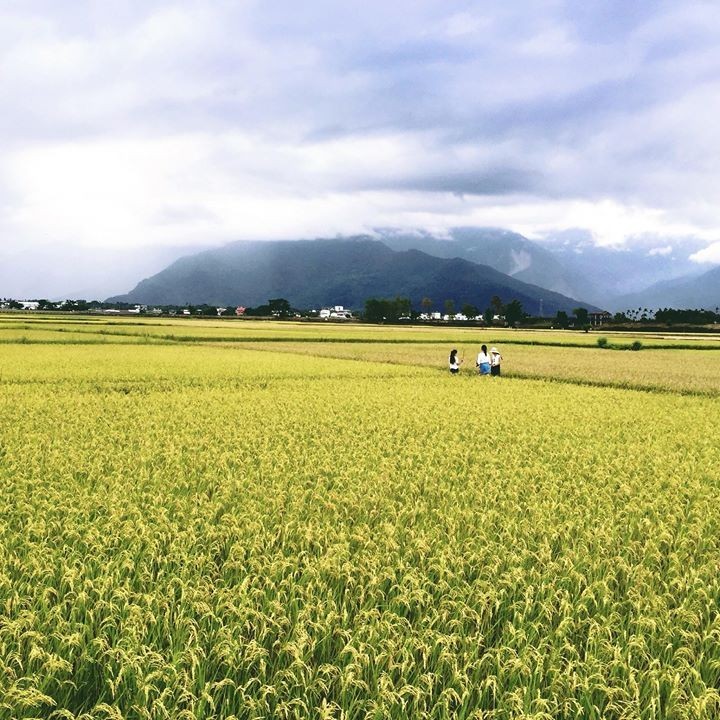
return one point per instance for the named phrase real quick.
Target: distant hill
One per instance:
(508, 252)
(313, 273)
(603, 275)
(690, 292)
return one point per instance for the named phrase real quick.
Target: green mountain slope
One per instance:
(313, 273)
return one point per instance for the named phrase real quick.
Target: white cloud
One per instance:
(200, 188)
(665, 250)
(154, 124)
(710, 254)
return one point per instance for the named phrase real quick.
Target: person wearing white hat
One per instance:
(495, 360)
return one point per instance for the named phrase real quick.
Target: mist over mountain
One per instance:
(690, 292)
(604, 275)
(348, 271)
(508, 252)
(569, 263)
(79, 272)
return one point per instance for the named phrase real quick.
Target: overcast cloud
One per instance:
(135, 127)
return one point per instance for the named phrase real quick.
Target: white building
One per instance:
(337, 312)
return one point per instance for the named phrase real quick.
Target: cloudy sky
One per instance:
(135, 130)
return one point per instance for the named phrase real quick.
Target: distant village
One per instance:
(272, 309)
(395, 311)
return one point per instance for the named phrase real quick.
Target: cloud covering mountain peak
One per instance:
(136, 124)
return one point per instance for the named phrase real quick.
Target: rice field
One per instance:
(209, 330)
(685, 370)
(325, 529)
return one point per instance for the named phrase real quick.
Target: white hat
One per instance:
(495, 351)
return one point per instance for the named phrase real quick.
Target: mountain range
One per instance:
(505, 251)
(347, 271)
(465, 264)
(605, 275)
(614, 278)
(702, 291)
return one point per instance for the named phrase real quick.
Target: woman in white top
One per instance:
(453, 362)
(483, 361)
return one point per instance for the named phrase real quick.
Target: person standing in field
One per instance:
(495, 360)
(454, 362)
(483, 361)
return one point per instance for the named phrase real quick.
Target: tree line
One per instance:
(391, 310)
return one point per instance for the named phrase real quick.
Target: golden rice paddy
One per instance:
(342, 530)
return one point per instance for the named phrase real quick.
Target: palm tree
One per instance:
(496, 304)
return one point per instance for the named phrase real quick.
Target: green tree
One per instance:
(514, 312)
(496, 304)
(470, 311)
(374, 310)
(450, 307)
(280, 307)
(427, 304)
(378, 310)
(561, 319)
(581, 316)
(403, 307)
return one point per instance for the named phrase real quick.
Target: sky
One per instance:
(133, 132)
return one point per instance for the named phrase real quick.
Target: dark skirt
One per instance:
(494, 369)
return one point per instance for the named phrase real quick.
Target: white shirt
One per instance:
(482, 358)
